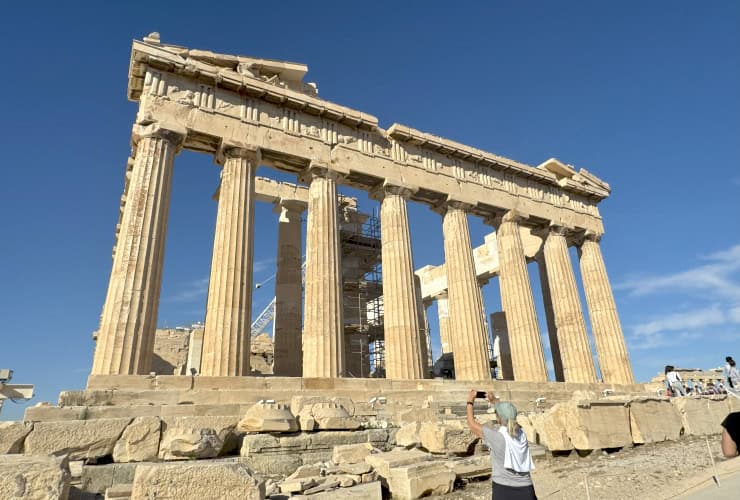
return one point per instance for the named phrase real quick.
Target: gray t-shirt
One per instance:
(499, 474)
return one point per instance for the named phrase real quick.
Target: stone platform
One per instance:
(114, 396)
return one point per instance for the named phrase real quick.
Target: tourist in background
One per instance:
(674, 381)
(731, 374)
(511, 460)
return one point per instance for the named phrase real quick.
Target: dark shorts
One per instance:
(502, 492)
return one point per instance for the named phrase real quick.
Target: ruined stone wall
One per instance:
(170, 351)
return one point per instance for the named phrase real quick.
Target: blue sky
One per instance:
(643, 94)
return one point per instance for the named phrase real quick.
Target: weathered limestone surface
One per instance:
(98, 478)
(268, 417)
(408, 434)
(33, 478)
(415, 481)
(578, 365)
(12, 435)
(400, 309)
(551, 429)
(476, 466)
(288, 293)
(351, 453)
(654, 420)
(323, 329)
(196, 482)
(701, 417)
(468, 329)
(527, 355)
(451, 436)
(197, 437)
(229, 309)
(79, 439)
(598, 424)
(384, 462)
(126, 335)
(607, 330)
(139, 442)
(368, 491)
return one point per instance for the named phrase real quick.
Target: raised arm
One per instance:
(475, 427)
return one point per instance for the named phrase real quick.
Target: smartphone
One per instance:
(480, 395)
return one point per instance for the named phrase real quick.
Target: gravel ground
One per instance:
(652, 471)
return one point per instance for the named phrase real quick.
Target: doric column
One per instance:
(527, 356)
(610, 346)
(323, 327)
(288, 292)
(229, 309)
(443, 313)
(468, 330)
(578, 365)
(552, 330)
(425, 343)
(400, 310)
(126, 336)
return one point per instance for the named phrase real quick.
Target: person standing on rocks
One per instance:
(674, 381)
(731, 374)
(511, 460)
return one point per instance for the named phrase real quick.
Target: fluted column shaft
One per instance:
(288, 291)
(227, 333)
(552, 330)
(443, 313)
(126, 336)
(578, 365)
(400, 309)
(610, 346)
(527, 356)
(323, 328)
(468, 330)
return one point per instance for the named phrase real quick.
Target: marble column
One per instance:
(527, 356)
(607, 330)
(227, 335)
(578, 365)
(125, 342)
(468, 330)
(552, 329)
(400, 309)
(288, 293)
(323, 328)
(443, 313)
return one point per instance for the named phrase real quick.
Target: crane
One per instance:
(268, 313)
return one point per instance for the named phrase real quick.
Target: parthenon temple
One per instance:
(247, 112)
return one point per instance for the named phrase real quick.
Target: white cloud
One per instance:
(698, 318)
(194, 290)
(717, 278)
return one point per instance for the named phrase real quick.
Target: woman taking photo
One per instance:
(510, 458)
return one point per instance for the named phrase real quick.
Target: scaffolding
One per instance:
(363, 290)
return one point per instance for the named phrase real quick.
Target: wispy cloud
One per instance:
(717, 278)
(714, 285)
(192, 291)
(698, 318)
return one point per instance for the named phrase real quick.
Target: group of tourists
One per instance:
(675, 385)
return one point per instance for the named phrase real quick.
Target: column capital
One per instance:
(291, 205)
(513, 215)
(592, 236)
(171, 132)
(452, 204)
(386, 188)
(318, 170)
(237, 149)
